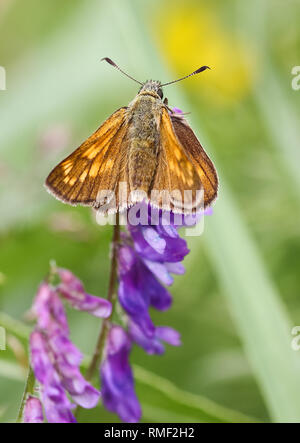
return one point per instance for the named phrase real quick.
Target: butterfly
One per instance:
(142, 151)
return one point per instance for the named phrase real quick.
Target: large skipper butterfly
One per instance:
(142, 151)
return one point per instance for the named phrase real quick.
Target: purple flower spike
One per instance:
(33, 412)
(55, 359)
(117, 379)
(153, 345)
(139, 289)
(156, 253)
(71, 288)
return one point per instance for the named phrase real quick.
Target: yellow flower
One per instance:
(191, 36)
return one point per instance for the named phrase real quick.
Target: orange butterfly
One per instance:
(141, 151)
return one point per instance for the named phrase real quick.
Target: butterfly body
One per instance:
(146, 147)
(143, 116)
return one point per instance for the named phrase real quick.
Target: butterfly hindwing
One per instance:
(199, 158)
(175, 171)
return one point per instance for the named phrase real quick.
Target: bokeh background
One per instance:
(239, 299)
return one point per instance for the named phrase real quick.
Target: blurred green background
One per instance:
(239, 299)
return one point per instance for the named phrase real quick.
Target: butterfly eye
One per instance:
(160, 93)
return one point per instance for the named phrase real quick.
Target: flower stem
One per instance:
(112, 297)
(29, 389)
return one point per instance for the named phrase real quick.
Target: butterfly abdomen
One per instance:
(144, 143)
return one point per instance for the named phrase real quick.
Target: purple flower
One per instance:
(159, 243)
(163, 271)
(33, 411)
(56, 403)
(146, 261)
(117, 389)
(153, 344)
(54, 358)
(138, 289)
(41, 358)
(57, 406)
(177, 110)
(49, 311)
(67, 359)
(71, 288)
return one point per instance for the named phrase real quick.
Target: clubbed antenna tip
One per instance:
(109, 60)
(203, 68)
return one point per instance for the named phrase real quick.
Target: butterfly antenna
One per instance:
(187, 76)
(108, 60)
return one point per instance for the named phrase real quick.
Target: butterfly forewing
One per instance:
(96, 164)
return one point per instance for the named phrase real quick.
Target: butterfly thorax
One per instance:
(144, 114)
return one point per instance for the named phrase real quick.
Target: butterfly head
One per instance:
(152, 87)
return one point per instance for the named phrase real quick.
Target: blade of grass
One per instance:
(14, 326)
(198, 406)
(270, 92)
(11, 371)
(255, 304)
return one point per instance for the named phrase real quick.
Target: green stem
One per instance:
(112, 297)
(29, 389)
